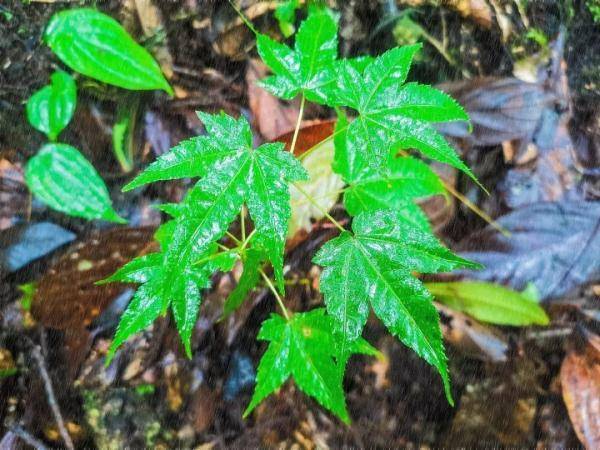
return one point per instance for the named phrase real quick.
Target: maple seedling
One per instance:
(369, 266)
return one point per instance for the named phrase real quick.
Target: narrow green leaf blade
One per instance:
(138, 270)
(97, 46)
(50, 109)
(422, 102)
(185, 305)
(248, 280)
(190, 158)
(404, 306)
(490, 302)
(386, 74)
(62, 178)
(145, 306)
(273, 369)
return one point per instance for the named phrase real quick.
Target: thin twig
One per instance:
(28, 437)
(473, 207)
(37, 355)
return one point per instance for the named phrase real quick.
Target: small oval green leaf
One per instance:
(490, 302)
(50, 109)
(96, 45)
(62, 178)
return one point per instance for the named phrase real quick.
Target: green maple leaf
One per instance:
(393, 186)
(309, 68)
(233, 173)
(392, 113)
(372, 268)
(305, 349)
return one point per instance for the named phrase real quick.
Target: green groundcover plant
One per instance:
(95, 45)
(370, 266)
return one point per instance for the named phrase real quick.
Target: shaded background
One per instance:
(527, 72)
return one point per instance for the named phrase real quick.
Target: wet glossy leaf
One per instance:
(309, 68)
(234, 173)
(373, 268)
(50, 109)
(402, 181)
(553, 245)
(392, 114)
(489, 302)
(62, 178)
(303, 348)
(97, 46)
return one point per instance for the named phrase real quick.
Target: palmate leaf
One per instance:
(309, 68)
(305, 349)
(392, 113)
(233, 173)
(373, 268)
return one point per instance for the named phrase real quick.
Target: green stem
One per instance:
(336, 193)
(246, 241)
(235, 239)
(276, 294)
(298, 123)
(318, 144)
(243, 223)
(213, 256)
(316, 205)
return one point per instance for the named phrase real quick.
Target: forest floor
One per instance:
(528, 73)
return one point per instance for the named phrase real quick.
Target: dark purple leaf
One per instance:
(554, 245)
(501, 109)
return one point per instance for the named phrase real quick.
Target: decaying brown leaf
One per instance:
(580, 380)
(67, 296)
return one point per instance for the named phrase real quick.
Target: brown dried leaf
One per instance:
(580, 380)
(270, 116)
(67, 296)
